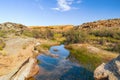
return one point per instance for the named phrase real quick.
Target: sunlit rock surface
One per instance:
(109, 71)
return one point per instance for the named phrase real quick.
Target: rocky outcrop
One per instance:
(19, 63)
(109, 71)
(12, 26)
(28, 69)
(9, 28)
(101, 23)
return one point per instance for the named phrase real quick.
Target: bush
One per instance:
(27, 33)
(36, 34)
(76, 36)
(48, 34)
(59, 37)
(107, 32)
(116, 47)
(2, 33)
(2, 44)
(42, 47)
(3, 53)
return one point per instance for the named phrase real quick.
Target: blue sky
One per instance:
(57, 12)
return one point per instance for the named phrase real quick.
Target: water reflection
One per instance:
(61, 68)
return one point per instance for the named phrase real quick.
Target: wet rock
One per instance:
(55, 49)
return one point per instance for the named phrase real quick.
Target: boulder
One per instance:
(108, 71)
(28, 69)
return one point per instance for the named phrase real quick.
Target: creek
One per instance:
(61, 67)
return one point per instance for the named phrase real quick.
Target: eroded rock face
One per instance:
(28, 69)
(20, 65)
(109, 71)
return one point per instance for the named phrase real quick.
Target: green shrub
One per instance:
(59, 37)
(3, 52)
(116, 47)
(12, 31)
(107, 32)
(42, 47)
(36, 34)
(76, 36)
(48, 34)
(2, 33)
(47, 46)
(2, 44)
(28, 33)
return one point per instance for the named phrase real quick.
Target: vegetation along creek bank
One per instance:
(37, 53)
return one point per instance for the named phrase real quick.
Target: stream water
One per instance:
(61, 68)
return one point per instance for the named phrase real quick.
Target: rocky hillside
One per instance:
(58, 28)
(101, 23)
(12, 26)
(11, 29)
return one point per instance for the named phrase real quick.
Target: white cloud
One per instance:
(65, 5)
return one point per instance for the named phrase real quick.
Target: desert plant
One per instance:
(76, 36)
(116, 47)
(2, 33)
(2, 44)
(107, 32)
(41, 47)
(48, 34)
(2, 52)
(36, 34)
(27, 33)
(59, 37)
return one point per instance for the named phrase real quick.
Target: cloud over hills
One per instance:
(65, 5)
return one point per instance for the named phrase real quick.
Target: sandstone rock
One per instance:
(21, 64)
(109, 71)
(28, 70)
